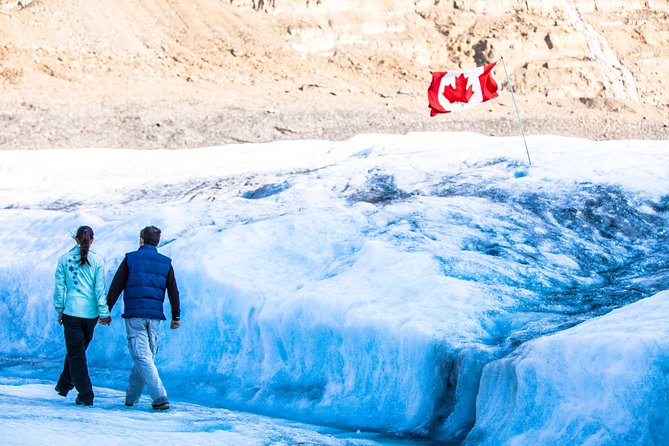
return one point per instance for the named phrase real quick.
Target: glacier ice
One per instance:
(601, 382)
(370, 284)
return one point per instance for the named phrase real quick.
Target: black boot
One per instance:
(83, 403)
(60, 391)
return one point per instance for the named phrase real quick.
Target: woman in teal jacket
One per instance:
(80, 299)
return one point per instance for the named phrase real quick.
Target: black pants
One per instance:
(78, 334)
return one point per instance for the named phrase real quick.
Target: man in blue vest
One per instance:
(142, 277)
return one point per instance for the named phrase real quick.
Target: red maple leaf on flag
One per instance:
(460, 93)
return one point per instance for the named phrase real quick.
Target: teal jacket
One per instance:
(80, 290)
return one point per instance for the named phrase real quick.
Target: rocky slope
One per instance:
(172, 73)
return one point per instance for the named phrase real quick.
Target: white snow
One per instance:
(362, 284)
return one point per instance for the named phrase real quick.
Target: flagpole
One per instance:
(520, 122)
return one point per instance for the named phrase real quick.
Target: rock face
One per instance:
(559, 48)
(140, 58)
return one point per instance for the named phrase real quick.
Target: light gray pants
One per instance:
(143, 344)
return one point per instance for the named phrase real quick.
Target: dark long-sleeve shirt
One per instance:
(121, 277)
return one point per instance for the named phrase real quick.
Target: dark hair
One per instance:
(84, 237)
(150, 235)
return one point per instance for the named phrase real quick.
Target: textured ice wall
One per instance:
(603, 382)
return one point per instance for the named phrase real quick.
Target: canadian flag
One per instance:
(456, 90)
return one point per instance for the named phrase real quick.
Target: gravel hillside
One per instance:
(173, 74)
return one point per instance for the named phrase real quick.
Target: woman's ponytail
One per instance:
(84, 237)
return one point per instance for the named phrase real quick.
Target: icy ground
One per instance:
(430, 286)
(32, 414)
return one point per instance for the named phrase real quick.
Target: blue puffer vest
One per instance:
(144, 291)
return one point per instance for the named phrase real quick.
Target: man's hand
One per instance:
(175, 324)
(105, 320)
(60, 319)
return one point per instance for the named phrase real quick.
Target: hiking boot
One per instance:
(82, 403)
(60, 391)
(129, 403)
(161, 406)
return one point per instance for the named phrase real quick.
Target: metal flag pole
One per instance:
(513, 97)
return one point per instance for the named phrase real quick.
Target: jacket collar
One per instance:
(75, 249)
(148, 247)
